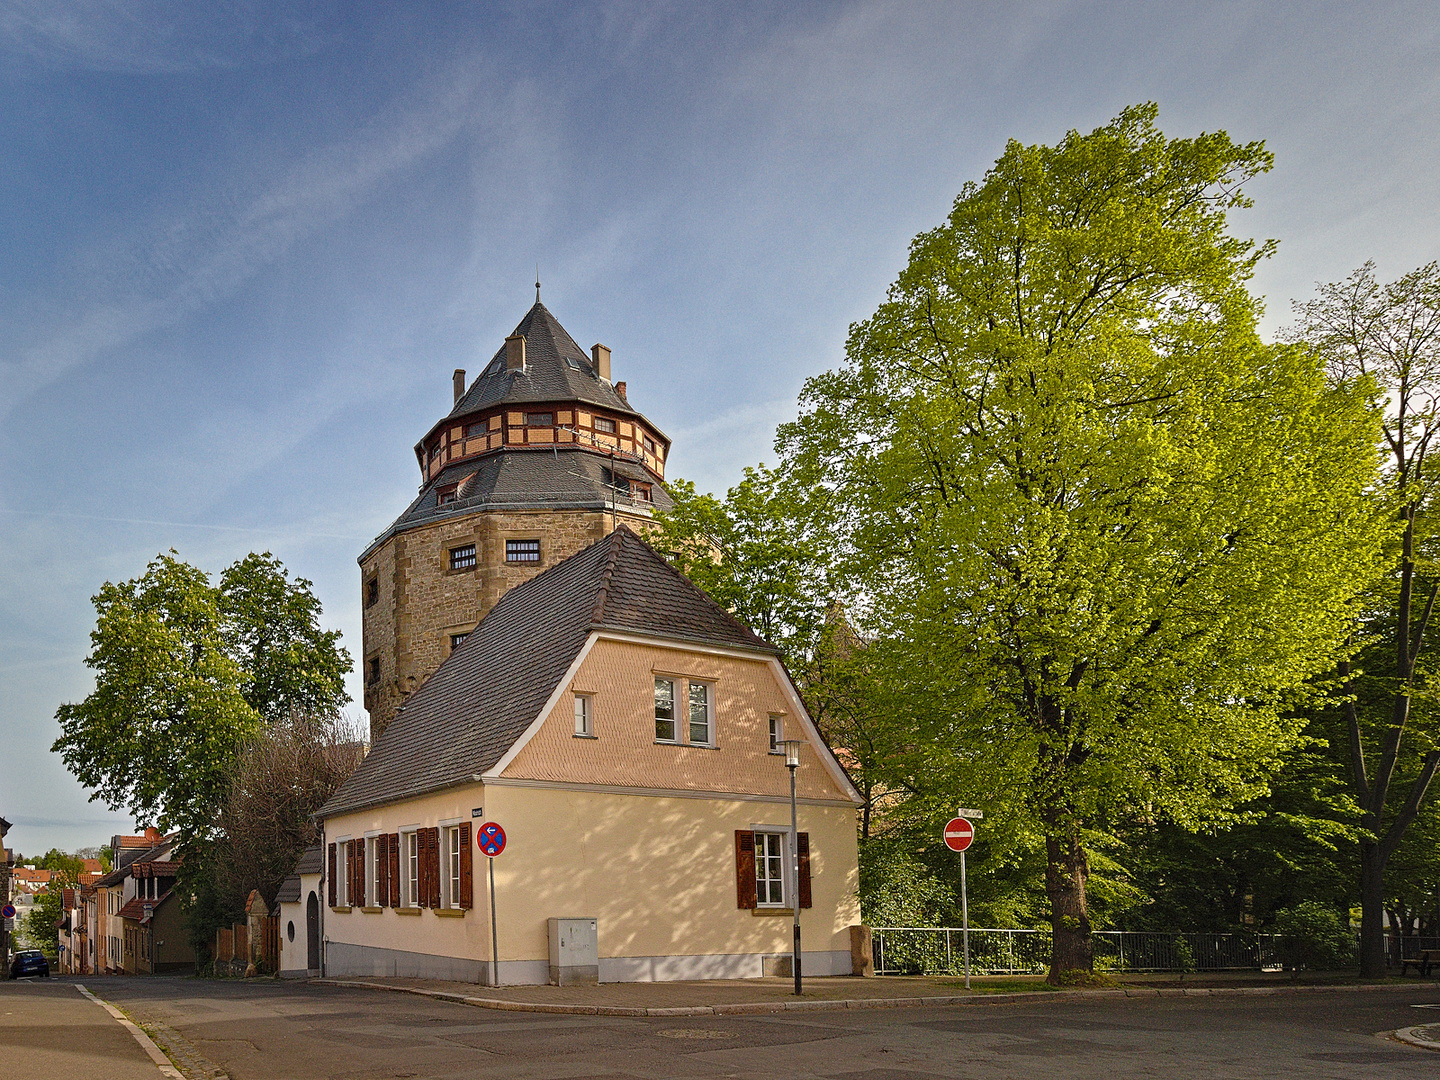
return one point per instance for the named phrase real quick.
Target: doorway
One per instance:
(312, 934)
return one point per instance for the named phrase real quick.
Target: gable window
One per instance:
(539, 419)
(522, 551)
(769, 869)
(700, 725)
(372, 671)
(665, 710)
(456, 640)
(447, 494)
(372, 592)
(777, 733)
(584, 715)
(462, 558)
(605, 424)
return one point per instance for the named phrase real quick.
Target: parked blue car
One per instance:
(29, 962)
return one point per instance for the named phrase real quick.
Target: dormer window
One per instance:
(447, 494)
(539, 419)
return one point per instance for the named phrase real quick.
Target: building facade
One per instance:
(625, 731)
(540, 456)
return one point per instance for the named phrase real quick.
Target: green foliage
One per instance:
(1313, 938)
(39, 925)
(185, 673)
(1107, 536)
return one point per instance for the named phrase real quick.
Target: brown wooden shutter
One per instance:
(435, 867)
(744, 868)
(802, 849)
(467, 869)
(330, 877)
(394, 870)
(382, 870)
(352, 893)
(422, 867)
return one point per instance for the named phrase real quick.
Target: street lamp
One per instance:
(792, 762)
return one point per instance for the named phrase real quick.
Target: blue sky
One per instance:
(242, 246)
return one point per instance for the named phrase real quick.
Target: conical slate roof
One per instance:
(556, 369)
(493, 686)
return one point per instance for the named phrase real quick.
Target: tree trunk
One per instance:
(1066, 872)
(1372, 910)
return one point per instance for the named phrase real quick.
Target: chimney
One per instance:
(601, 355)
(515, 352)
(459, 384)
(620, 389)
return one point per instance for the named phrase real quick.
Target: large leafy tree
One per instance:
(1111, 531)
(1390, 334)
(185, 673)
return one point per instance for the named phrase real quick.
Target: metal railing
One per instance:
(923, 950)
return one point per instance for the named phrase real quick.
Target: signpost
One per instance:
(959, 834)
(8, 911)
(490, 838)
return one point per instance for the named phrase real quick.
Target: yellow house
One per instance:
(623, 729)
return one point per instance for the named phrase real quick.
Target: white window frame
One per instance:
(674, 720)
(764, 839)
(777, 732)
(585, 716)
(450, 863)
(409, 866)
(709, 688)
(342, 872)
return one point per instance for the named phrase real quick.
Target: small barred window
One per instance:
(522, 551)
(462, 558)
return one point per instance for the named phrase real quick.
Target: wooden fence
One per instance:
(232, 947)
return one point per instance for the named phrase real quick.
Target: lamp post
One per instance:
(792, 762)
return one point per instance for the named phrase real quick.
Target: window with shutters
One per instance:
(369, 870)
(410, 846)
(341, 873)
(451, 881)
(769, 869)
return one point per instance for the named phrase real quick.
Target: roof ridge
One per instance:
(597, 613)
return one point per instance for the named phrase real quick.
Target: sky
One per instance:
(243, 245)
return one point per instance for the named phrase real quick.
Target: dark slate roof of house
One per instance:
(312, 860)
(489, 690)
(556, 369)
(289, 891)
(551, 479)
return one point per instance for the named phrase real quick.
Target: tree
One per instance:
(1112, 533)
(186, 673)
(1390, 334)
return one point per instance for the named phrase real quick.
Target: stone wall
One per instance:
(421, 603)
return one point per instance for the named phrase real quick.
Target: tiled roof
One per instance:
(465, 717)
(289, 891)
(556, 369)
(312, 860)
(135, 909)
(551, 479)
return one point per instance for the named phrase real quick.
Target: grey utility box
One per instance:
(574, 952)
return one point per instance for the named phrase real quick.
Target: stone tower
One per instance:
(541, 456)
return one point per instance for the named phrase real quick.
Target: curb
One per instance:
(154, 1052)
(761, 1007)
(1425, 1036)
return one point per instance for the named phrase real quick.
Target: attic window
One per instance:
(539, 419)
(640, 492)
(462, 558)
(447, 494)
(522, 551)
(605, 424)
(579, 365)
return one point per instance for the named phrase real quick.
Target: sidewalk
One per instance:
(721, 997)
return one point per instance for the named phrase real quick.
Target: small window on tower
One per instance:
(605, 424)
(372, 592)
(462, 558)
(539, 419)
(522, 551)
(649, 444)
(372, 671)
(456, 640)
(475, 430)
(435, 451)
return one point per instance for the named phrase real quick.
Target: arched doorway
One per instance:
(312, 933)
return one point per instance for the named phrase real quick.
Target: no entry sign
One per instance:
(959, 834)
(491, 838)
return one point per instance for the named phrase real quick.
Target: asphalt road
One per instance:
(259, 1030)
(48, 1030)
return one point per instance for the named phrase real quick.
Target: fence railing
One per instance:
(920, 950)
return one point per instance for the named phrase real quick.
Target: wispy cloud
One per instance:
(173, 268)
(154, 36)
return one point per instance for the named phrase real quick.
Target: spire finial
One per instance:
(537, 283)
